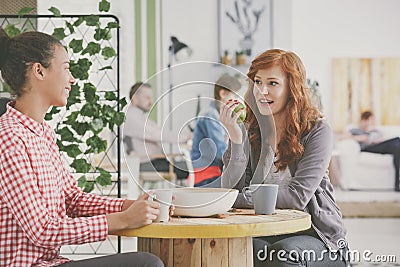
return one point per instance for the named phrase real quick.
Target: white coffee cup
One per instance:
(164, 197)
(263, 197)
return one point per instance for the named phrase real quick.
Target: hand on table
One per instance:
(141, 212)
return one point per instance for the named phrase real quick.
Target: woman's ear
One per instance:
(38, 71)
(222, 93)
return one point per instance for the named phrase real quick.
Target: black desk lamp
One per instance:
(176, 50)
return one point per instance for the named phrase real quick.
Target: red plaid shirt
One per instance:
(41, 207)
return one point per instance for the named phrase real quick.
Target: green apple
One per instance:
(242, 116)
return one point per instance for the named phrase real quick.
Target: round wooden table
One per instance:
(223, 240)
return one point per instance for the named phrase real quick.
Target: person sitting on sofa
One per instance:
(370, 140)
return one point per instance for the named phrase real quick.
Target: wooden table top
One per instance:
(238, 223)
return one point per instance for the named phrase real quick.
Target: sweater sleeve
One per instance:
(237, 169)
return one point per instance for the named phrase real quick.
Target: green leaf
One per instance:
(122, 103)
(89, 110)
(111, 96)
(59, 143)
(70, 27)
(24, 10)
(113, 25)
(74, 96)
(81, 165)
(81, 127)
(108, 112)
(108, 52)
(92, 48)
(82, 181)
(72, 150)
(96, 145)
(59, 33)
(106, 68)
(84, 63)
(56, 12)
(12, 30)
(97, 125)
(72, 119)
(119, 118)
(111, 125)
(80, 69)
(67, 135)
(89, 186)
(49, 115)
(92, 20)
(79, 21)
(76, 45)
(102, 34)
(104, 178)
(104, 6)
(90, 92)
(108, 115)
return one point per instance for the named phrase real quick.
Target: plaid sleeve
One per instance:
(20, 191)
(79, 203)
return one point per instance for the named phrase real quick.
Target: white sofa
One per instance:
(364, 170)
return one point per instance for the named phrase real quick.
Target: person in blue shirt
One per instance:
(209, 137)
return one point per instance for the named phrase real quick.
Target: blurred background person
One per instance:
(144, 137)
(371, 140)
(209, 137)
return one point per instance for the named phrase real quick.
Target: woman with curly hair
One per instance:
(286, 141)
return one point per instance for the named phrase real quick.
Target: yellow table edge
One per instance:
(159, 230)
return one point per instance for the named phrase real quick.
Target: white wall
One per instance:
(195, 24)
(323, 30)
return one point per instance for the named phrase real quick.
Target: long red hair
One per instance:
(300, 113)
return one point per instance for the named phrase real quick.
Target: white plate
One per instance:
(203, 202)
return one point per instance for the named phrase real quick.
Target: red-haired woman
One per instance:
(286, 141)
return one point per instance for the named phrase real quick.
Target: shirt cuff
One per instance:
(114, 205)
(98, 228)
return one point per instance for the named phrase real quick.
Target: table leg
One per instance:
(200, 252)
(241, 252)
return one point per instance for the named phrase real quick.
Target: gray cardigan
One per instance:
(309, 189)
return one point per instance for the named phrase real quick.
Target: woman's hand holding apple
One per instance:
(231, 114)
